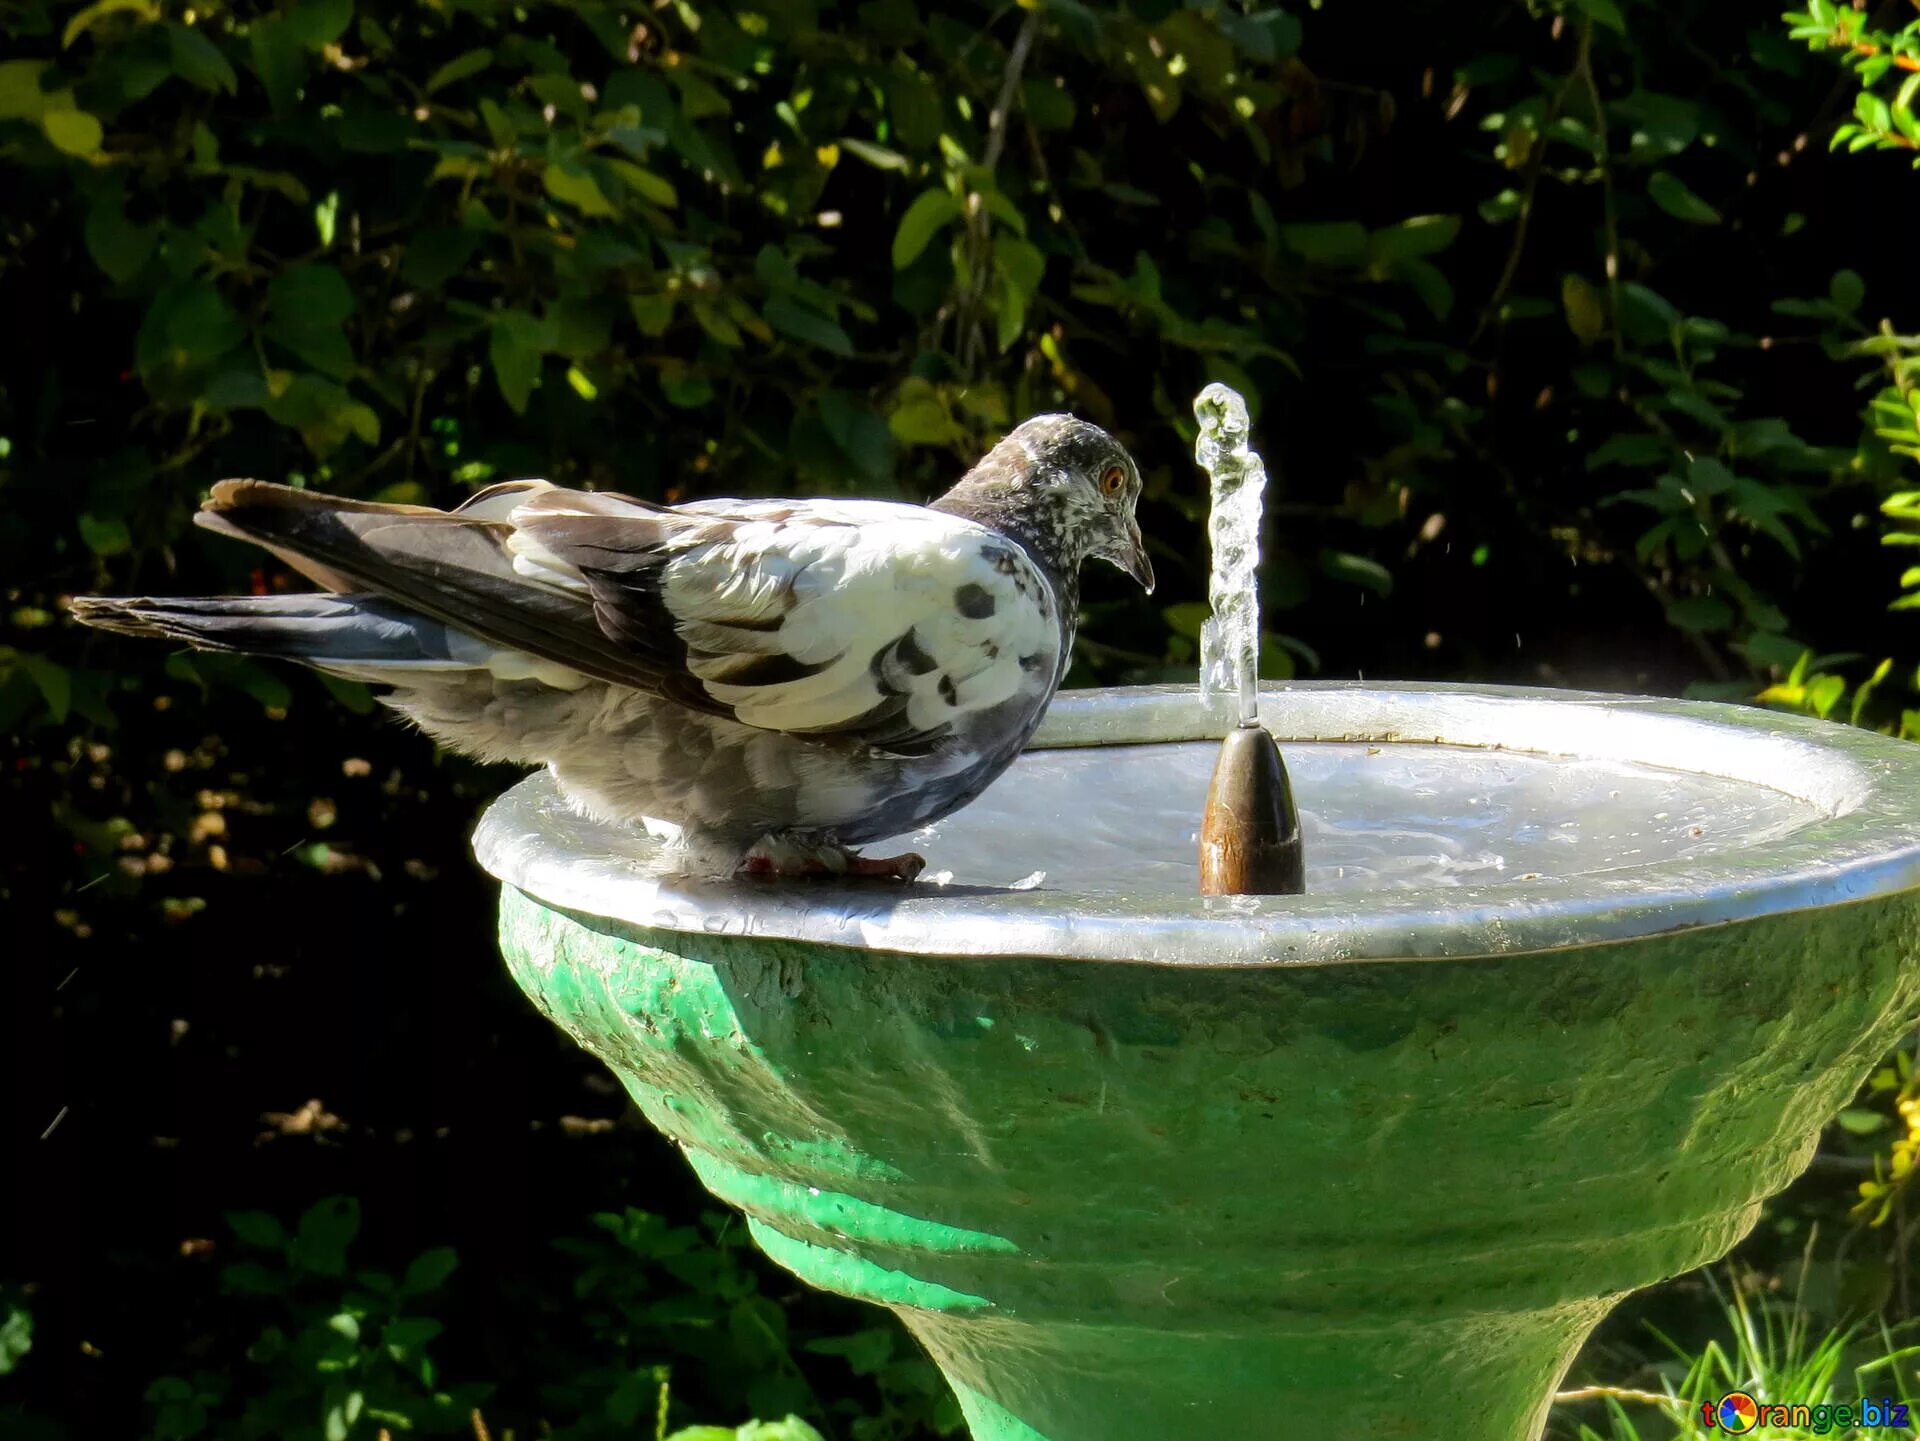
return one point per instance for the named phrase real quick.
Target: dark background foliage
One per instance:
(1576, 356)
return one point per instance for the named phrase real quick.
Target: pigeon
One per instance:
(764, 685)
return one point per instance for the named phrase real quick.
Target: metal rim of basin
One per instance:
(1865, 843)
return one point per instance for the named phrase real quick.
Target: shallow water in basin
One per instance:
(1124, 819)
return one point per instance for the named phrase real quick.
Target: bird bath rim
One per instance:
(1863, 842)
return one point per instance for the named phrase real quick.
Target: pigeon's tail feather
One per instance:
(354, 635)
(456, 567)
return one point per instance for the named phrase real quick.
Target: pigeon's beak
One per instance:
(1133, 560)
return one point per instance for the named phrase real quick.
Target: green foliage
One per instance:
(401, 251)
(1774, 1351)
(791, 1429)
(347, 1352)
(341, 1349)
(16, 1329)
(658, 1300)
(1895, 1087)
(1884, 60)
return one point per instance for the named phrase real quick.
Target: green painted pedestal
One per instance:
(1174, 1203)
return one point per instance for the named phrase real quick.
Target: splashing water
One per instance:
(1230, 638)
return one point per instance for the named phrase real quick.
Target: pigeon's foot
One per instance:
(904, 867)
(829, 863)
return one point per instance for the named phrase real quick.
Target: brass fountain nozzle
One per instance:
(1250, 832)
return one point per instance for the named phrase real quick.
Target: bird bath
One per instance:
(1574, 985)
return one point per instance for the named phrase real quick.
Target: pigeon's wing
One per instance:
(872, 621)
(456, 567)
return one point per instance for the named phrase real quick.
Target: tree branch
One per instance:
(967, 322)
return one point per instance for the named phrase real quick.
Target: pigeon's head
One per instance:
(1066, 487)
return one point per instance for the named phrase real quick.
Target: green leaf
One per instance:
(861, 435)
(324, 347)
(119, 248)
(716, 322)
(105, 535)
(923, 422)
(1603, 12)
(429, 1271)
(1357, 570)
(198, 61)
(501, 130)
(1187, 617)
(277, 61)
(314, 294)
(405, 1338)
(576, 188)
(1905, 119)
(516, 366)
(652, 313)
(307, 305)
(202, 326)
(16, 1333)
(1667, 191)
(1824, 693)
(865, 1351)
(1645, 315)
(436, 254)
(259, 1229)
(1770, 650)
(21, 97)
(914, 105)
(73, 131)
(652, 188)
(1708, 477)
(1411, 239)
(316, 24)
(1859, 1121)
(243, 1278)
(1048, 105)
(796, 321)
(582, 326)
(878, 156)
(461, 67)
(1430, 283)
(53, 681)
(1265, 36)
(1700, 613)
(930, 212)
(1586, 308)
(144, 10)
(1333, 242)
(353, 694)
(1630, 448)
(792, 1428)
(324, 413)
(1847, 289)
(1661, 125)
(326, 1229)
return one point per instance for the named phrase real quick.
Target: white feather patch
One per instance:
(852, 581)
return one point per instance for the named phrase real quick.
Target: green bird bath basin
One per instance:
(1576, 982)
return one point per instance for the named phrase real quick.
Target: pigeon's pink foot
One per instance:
(905, 867)
(841, 865)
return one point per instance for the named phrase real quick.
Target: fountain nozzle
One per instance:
(1250, 832)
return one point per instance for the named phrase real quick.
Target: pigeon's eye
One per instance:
(1111, 482)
